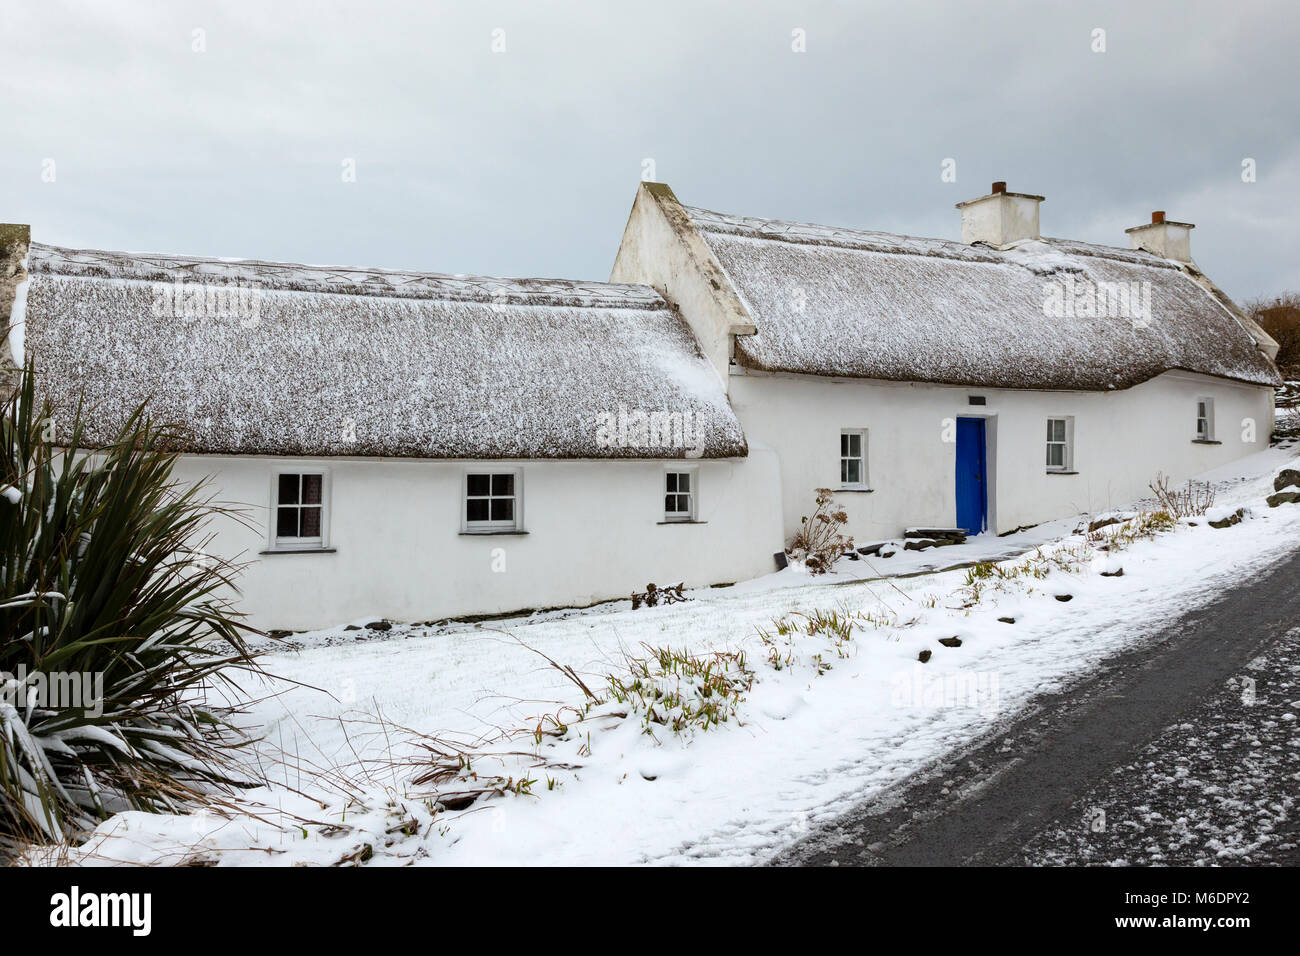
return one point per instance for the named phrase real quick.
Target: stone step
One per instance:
(949, 535)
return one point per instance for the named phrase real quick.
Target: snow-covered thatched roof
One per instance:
(311, 360)
(858, 304)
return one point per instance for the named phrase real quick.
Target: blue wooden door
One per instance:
(972, 499)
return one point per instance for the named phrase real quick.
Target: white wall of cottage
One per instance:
(593, 527)
(1121, 440)
(398, 551)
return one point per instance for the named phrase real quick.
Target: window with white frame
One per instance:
(853, 458)
(299, 509)
(679, 496)
(1205, 419)
(1060, 444)
(492, 500)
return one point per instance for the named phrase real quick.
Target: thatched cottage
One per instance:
(988, 384)
(418, 445)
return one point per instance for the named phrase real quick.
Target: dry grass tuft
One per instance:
(1195, 499)
(819, 542)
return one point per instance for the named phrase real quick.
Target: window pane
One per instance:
(844, 471)
(503, 509)
(855, 445)
(844, 446)
(309, 526)
(684, 482)
(311, 488)
(854, 471)
(672, 481)
(670, 503)
(477, 484)
(286, 522)
(1056, 456)
(503, 484)
(476, 509)
(288, 492)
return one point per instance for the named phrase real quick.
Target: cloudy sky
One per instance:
(508, 138)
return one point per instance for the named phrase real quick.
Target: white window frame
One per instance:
(319, 543)
(693, 494)
(513, 526)
(863, 447)
(1208, 418)
(1067, 456)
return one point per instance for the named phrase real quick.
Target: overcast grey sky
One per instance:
(525, 161)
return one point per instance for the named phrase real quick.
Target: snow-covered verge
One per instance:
(782, 707)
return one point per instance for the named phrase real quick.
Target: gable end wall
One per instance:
(662, 248)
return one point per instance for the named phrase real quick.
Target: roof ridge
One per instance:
(871, 240)
(345, 280)
(1117, 253)
(806, 233)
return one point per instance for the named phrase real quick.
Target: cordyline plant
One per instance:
(103, 585)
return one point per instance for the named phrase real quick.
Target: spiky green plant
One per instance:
(103, 579)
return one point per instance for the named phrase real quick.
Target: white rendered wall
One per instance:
(594, 529)
(593, 533)
(1121, 439)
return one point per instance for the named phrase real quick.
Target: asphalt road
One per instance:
(1184, 750)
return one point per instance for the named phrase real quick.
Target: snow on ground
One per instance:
(985, 547)
(801, 747)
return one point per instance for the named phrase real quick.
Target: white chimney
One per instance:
(1000, 218)
(1169, 240)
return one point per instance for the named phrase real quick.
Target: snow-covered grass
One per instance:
(716, 730)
